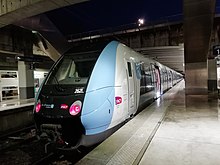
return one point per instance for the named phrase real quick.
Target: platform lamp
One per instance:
(140, 22)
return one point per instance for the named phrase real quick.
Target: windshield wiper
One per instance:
(58, 87)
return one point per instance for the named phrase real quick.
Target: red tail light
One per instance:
(118, 100)
(75, 108)
(38, 107)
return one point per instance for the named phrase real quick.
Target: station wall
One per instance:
(9, 84)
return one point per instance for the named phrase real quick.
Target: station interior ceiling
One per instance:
(171, 56)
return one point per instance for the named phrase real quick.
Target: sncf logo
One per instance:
(118, 100)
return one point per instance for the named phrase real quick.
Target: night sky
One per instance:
(217, 7)
(102, 14)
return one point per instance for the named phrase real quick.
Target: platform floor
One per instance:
(16, 103)
(174, 130)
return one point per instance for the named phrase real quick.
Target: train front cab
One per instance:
(78, 100)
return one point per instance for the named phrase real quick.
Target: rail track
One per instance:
(23, 147)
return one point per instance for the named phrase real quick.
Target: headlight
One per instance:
(75, 108)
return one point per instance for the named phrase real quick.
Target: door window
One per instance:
(129, 69)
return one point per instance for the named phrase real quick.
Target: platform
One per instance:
(175, 129)
(15, 115)
(16, 103)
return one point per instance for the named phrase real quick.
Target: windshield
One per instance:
(71, 72)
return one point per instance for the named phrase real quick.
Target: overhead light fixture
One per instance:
(34, 32)
(140, 21)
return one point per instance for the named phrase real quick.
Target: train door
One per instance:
(131, 87)
(158, 81)
(166, 78)
(170, 79)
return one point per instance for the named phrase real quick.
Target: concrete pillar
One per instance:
(26, 80)
(198, 24)
(212, 75)
(25, 72)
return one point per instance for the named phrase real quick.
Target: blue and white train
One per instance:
(84, 100)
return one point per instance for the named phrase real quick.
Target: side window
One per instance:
(146, 80)
(129, 69)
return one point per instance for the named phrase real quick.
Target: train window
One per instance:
(138, 70)
(151, 75)
(142, 81)
(9, 92)
(146, 80)
(129, 69)
(8, 74)
(68, 71)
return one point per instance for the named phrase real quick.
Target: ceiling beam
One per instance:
(12, 11)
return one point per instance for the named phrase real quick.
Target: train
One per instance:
(84, 99)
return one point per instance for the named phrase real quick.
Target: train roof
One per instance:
(89, 46)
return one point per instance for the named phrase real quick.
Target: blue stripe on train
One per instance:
(98, 104)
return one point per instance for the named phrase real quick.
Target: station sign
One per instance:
(216, 50)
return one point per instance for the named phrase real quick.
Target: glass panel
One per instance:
(9, 93)
(129, 69)
(68, 71)
(8, 75)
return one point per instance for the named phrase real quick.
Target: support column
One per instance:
(212, 75)
(26, 80)
(198, 24)
(25, 73)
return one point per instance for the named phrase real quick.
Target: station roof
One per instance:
(98, 14)
(95, 15)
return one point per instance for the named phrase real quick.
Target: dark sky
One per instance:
(217, 6)
(102, 14)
